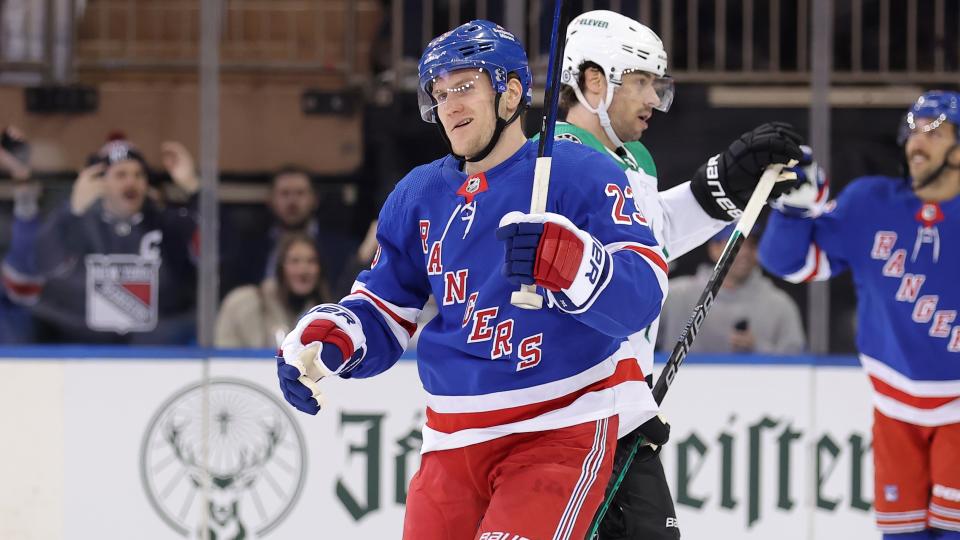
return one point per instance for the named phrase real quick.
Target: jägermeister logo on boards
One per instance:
(752, 468)
(232, 474)
(758, 466)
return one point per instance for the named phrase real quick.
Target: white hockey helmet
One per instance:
(619, 45)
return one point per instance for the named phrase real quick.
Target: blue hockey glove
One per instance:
(808, 196)
(328, 340)
(549, 250)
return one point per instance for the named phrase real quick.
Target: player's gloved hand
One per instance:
(655, 430)
(723, 185)
(549, 250)
(655, 433)
(808, 196)
(328, 340)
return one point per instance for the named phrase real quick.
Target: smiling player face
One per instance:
(465, 101)
(927, 147)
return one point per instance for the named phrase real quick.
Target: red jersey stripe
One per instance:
(650, 254)
(22, 289)
(909, 399)
(410, 327)
(627, 370)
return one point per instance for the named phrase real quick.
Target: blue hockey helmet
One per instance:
(477, 44)
(938, 105)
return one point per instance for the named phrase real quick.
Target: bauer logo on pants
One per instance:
(122, 293)
(234, 474)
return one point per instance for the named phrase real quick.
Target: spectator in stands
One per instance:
(749, 314)
(361, 260)
(259, 316)
(249, 249)
(19, 285)
(114, 266)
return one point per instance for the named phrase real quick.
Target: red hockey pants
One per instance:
(535, 486)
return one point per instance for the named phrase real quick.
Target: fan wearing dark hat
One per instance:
(113, 265)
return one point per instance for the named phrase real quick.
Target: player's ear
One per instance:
(513, 95)
(595, 82)
(953, 155)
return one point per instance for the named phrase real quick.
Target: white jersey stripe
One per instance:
(588, 475)
(887, 374)
(944, 524)
(944, 511)
(815, 268)
(904, 528)
(901, 516)
(631, 401)
(400, 320)
(533, 394)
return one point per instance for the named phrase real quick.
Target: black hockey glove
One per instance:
(655, 430)
(723, 184)
(655, 433)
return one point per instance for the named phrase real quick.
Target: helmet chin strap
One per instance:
(601, 112)
(940, 170)
(497, 131)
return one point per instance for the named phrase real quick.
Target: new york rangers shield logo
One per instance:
(122, 293)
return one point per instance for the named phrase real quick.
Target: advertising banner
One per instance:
(142, 448)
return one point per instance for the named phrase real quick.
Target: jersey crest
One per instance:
(122, 293)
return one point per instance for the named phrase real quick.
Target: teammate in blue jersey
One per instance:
(899, 237)
(524, 407)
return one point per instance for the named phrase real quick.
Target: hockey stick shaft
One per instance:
(747, 220)
(527, 296)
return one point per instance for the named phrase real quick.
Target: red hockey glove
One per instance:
(549, 250)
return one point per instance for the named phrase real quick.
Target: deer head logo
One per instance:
(230, 474)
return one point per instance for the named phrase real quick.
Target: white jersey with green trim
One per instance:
(674, 216)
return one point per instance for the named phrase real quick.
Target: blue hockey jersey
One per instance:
(489, 368)
(905, 259)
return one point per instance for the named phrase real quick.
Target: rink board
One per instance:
(108, 443)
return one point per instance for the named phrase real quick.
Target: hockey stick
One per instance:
(527, 297)
(750, 214)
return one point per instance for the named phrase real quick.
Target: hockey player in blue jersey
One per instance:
(899, 238)
(524, 407)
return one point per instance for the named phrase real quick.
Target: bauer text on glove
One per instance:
(723, 185)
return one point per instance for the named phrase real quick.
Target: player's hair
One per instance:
(321, 291)
(567, 97)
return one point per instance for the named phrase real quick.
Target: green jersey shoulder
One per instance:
(636, 158)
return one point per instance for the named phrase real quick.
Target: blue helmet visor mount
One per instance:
(911, 126)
